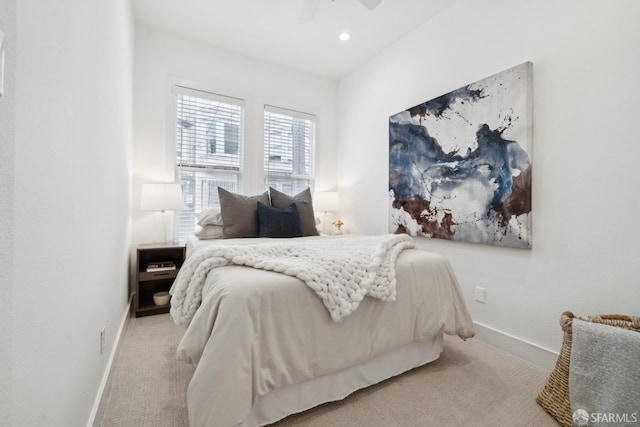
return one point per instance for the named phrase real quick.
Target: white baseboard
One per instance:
(97, 404)
(526, 350)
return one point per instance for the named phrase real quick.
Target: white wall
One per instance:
(7, 149)
(162, 60)
(586, 63)
(71, 203)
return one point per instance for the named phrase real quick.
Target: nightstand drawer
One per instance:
(157, 275)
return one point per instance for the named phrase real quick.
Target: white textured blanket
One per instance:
(341, 271)
(604, 378)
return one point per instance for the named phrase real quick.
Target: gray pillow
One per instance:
(240, 213)
(303, 204)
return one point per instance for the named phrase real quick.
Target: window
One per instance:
(289, 138)
(208, 151)
(212, 141)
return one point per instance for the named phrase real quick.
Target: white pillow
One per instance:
(209, 216)
(209, 232)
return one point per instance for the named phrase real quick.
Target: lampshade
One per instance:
(161, 197)
(326, 201)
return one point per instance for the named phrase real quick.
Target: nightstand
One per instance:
(157, 266)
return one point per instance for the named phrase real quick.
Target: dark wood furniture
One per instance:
(150, 282)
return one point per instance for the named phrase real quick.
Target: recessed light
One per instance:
(344, 36)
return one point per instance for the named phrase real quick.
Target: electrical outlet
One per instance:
(480, 294)
(102, 339)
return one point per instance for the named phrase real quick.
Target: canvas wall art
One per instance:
(460, 164)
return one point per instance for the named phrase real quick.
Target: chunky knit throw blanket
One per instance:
(341, 270)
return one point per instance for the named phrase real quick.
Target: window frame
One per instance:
(304, 180)
(207, 174)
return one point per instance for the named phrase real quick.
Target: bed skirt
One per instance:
(283, 402)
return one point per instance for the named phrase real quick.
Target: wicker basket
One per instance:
(554, 397)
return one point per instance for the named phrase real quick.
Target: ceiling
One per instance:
(275, 31)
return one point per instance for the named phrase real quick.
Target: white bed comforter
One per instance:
(258, 331)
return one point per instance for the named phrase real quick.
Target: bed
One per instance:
(266, 346)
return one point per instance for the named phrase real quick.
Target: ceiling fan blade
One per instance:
(370, 4)
(310, 9)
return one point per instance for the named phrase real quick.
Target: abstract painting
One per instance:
(460, 164)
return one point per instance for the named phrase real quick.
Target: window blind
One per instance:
(209, 143)
(289, 138)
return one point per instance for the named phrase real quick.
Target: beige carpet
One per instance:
(472, 384)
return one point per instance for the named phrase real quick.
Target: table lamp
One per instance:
(161, 197)
(326, 201)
